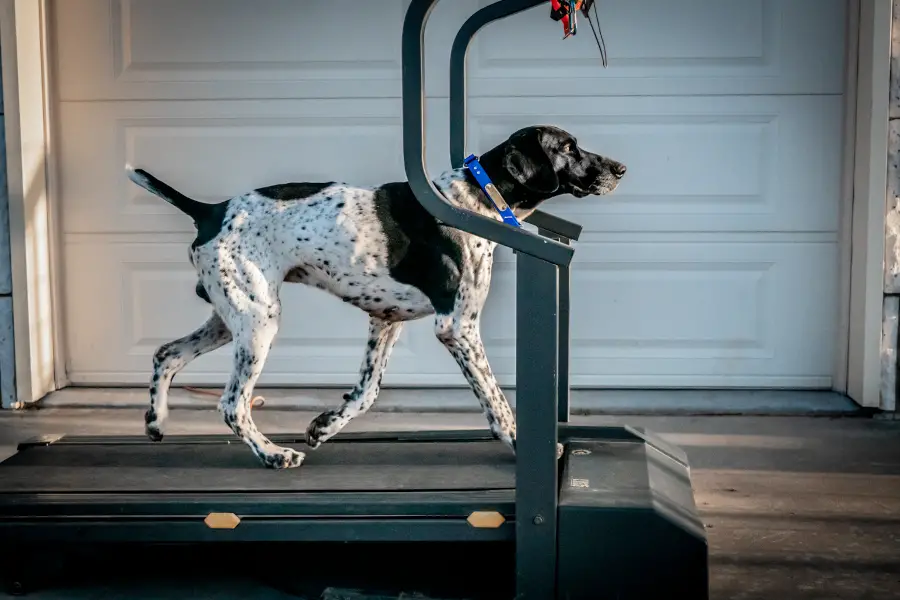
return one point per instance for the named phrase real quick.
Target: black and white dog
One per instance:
(375, 248)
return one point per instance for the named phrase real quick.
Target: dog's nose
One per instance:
(619, 170)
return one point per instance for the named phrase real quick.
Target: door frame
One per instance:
(867, 172)
(27, 99)
(40, 361)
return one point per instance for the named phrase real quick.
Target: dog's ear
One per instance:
(527, 161)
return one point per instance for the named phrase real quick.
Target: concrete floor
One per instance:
(795, 507)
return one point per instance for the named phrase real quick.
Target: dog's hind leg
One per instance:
(382, 337)
(254, 327)
(171, 358)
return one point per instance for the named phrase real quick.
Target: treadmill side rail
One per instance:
(152, 530)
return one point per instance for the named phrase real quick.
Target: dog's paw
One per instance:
(560, 449)
(153, 426)
(283, 458)
(322, 428)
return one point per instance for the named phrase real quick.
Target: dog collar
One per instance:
(490, 190)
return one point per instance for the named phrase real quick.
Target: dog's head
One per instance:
(539, 162)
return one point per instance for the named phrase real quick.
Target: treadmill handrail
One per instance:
(554, 224)
(415, 163)
(458, 99)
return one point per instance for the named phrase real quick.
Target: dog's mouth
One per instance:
(597, 188)
(579, 192)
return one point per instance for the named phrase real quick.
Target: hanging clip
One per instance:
(566, 11)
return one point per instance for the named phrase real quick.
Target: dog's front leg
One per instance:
(170, 358)
(463, 340)
(382, 337)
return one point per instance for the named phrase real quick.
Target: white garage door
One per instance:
(715, 264)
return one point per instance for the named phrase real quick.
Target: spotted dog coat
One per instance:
(376, 248)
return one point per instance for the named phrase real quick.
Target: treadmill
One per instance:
(613, 518)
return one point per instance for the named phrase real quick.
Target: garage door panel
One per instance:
(699, 164)
(661, 47)
(666, 313)
(172, 38)
(710, 164)
(204, 42)
(156, 49)
(140, 294)
(642, 314)
(211, 152)
(714, 264)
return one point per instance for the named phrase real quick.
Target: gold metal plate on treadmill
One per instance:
(222, 520)
(487, 519)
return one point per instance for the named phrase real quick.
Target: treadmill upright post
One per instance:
(564, 344)
(564, 328)
(563, 334)
(537, 322)
(458, 53)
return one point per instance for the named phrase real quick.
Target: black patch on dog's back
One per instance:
(292, 190)
(201, 293)
(421, 252)
(210, 224)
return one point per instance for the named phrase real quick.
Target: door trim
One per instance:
(869, 203)
(29, 161)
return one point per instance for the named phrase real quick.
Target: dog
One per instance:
(375, 248)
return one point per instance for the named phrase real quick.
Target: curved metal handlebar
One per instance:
(488, 14)
(458, 97)
(414, 153)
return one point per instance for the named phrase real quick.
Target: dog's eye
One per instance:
(567, 147)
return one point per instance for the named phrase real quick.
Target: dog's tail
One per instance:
(194, 209)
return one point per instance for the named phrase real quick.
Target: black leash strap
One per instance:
(601, 43)
(563, 11)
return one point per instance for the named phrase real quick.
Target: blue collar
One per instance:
(487, 186)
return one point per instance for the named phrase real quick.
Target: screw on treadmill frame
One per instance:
(538, 520)
(16, 588)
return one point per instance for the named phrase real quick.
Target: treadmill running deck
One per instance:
(128, 465)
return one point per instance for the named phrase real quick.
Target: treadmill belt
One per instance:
(231, 467)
